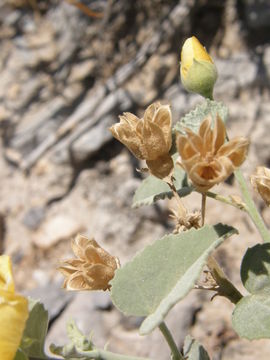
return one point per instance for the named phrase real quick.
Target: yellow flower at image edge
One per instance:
(149, 138)
(93, 268)
(13, 312)
(198, 71)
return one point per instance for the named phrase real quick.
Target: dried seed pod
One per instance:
(92, 269)
(207, 158)
(261, 182)
(148, 138)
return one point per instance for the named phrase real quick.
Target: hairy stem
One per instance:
(176, 355)
(106, 355)
(226, 288)
(251, 208)
(183, 210)
(203, 207)
(226, 200)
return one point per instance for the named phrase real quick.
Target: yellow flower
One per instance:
(206, 157)
(92, 269)
(261, 182)
(13, 312)
(148, 138)
(198, 71)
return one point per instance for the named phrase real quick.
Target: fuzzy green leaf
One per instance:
(251, 317)
(81, 347)
(35, 331)
(20, 355)
(156, 279)
(78, 341)
(193, 350)
(255, 269)
(193, 119)
(152, 189)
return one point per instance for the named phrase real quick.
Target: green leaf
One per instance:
(152, 189)
(35, 330)
(78, 341)
(20, 355)
(81, 347)
(193, 119)
(251, 317)
(255, 269)
(193, 350)
(156, 279)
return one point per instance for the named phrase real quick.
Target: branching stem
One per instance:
(251, 208)
(226, 200)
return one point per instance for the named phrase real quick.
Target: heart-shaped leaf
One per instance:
(156, 279)
(251, 316)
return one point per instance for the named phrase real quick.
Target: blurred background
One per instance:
(67, 70)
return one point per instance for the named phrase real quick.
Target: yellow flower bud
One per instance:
(198, 71)
(13, 312)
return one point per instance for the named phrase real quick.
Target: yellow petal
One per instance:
(13, 315)
(198, 71)
(193, 50)
(6, 278)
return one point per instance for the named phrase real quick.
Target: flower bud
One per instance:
(198, 71)
(261, 182)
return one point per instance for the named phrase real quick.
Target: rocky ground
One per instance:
(65, 77)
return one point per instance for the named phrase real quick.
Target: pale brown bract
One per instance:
(92, 269)
(206, 157)
(148, 138)
(261, 182)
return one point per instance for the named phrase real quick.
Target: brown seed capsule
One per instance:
(206, 157)
(261, 182)
(92, 269)
(148, 138)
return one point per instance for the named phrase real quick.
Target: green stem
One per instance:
(226, 288)
(226, 200)
(106, 355)
(203, 207)
(176, 355)
(251, 208)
